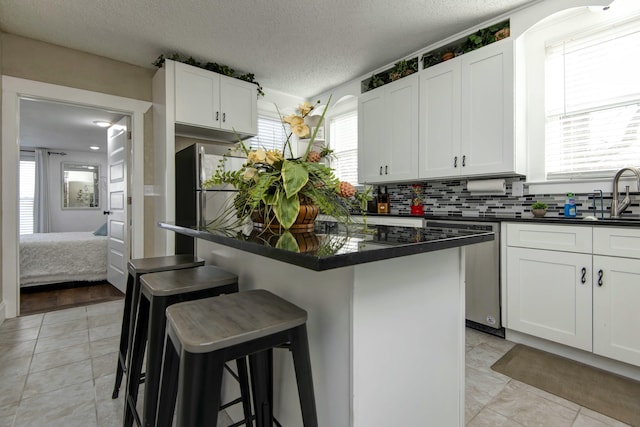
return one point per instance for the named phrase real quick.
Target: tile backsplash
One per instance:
(451, 198)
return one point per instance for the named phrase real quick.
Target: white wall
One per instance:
(75, 219)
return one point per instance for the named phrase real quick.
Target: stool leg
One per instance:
(243, 378)
(157, 328)
(261, 365)
(302, 364)
(199, 389)
(124, 337)
(136, 357)
(168, 385)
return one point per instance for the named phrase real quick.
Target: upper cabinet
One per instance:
(388, 132)
(212, 106)
(467, 115)
(440, 120)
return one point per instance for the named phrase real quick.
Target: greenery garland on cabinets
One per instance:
(211, 66)
(400, 69)
(480, 38)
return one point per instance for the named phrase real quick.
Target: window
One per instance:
(27, 189)
(271, 135)
(343, 137)
(593, 103)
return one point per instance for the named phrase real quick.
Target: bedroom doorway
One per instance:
(66, 168)
(15, 89)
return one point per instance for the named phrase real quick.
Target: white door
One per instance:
(549, 295)
(487, 110)
(400, 148)
(117, 212)
(440, 120)
(616, 318)
(371, 136)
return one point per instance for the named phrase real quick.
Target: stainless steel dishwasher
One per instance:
(482, 276)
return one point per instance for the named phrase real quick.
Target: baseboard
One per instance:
(3, 314)
(620, 368)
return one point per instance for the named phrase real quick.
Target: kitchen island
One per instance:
(386, 316)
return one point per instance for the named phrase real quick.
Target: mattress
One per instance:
(62, 257)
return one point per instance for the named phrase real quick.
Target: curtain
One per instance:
(41, 199)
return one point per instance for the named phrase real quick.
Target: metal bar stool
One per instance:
(159, 291)
(202, 335)
(138, 267)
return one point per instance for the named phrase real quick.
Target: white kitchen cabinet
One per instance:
(208, 100)
(616, 308)
(388, 132)
(467, 115)
(440, 120)
(549, 295)
(616, 293)
(576, 285)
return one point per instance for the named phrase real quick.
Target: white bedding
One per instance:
(62, 257)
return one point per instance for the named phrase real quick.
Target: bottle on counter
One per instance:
(570, 210)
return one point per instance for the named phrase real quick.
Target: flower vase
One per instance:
(417, 200)
(305, 221)
(417, 210)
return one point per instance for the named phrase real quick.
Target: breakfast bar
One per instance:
(385, 316)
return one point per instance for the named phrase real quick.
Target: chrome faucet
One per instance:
(619, 206)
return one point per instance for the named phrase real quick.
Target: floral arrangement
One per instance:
(275, 184)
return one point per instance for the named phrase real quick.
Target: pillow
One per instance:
(102, 231)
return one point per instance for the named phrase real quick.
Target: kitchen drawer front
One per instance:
(617, 241)
(550, 237)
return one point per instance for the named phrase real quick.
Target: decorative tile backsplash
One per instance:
(451, 198)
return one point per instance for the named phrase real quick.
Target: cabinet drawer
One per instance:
(617, 241)
(550, 237)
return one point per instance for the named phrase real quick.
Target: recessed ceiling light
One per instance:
(101, 123)
(94, 147)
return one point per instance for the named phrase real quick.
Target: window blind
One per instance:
(27, 189)
(593, 103)
(271, 135)
(343, 137)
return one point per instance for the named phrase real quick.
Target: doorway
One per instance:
(15, 89)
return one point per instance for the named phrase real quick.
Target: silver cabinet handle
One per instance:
(217, 115)
(464, 161)
(455, 162)
(224, 117)
(583, 279)
(386, 170)
(380, 170)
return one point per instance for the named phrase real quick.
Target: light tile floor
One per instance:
(58, 369)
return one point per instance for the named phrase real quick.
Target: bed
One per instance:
(47, 258)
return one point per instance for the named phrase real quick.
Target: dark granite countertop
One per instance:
(333, 245)
(619, 222)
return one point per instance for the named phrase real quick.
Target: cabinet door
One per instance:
(487, 110)
(371, 136)
(197, 96)
(549, 295)
(440, 120)
(238, 106)
(616, 308)
(399, 149)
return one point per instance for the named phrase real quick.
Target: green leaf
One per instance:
(286, 210)
(294, 177)
(270, 199)
(288, 242)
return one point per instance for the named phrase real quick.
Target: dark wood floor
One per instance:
(41, 299)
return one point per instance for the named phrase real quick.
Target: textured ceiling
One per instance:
(300, 48)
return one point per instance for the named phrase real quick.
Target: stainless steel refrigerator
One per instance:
(196, 206)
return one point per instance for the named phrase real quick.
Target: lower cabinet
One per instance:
(616, 308)
(549, 295)
(585, 296)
